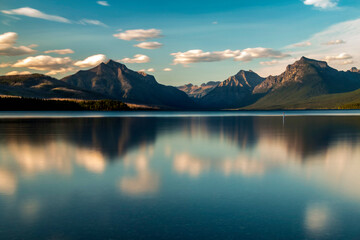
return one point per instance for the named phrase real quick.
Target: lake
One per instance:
(173, 175)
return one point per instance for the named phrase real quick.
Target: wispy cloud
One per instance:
(4, 65)
(103, 3)
(60, 51)
(323, 4)
(335, 42)
(139, 34)
(301, 44)
(34, 13)
(341, 56)
(149, 45)
(138, 58)
(167, 69)
(92, 22)
(324, 46)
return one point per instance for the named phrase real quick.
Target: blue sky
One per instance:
(193, 41)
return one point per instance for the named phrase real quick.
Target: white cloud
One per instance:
(92, 22)
(138, 58)
(17, 73)
(197, 55)
(248, 54)
(7, 48)
(60, 51)
(139, 34)
(91, 61)
(323, 4)
(103, 3)
(15, 51)
(302, 44)
(43, 63)
(215, 22)
(8, 38)
(341, 56)
(167, 69)
(31, 12)
(335, 42)
(56, 65)
(149, 45)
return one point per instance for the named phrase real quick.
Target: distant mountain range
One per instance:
(236, 91)
(306, 84)
(195, 91)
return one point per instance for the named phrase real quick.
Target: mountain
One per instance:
(305, 79)
(116, 80)
(306, 84)
(42, 86)
(236, 91)
(196, 91)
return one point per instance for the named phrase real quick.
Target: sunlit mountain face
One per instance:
(139, 174)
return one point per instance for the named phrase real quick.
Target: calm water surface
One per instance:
(180, 176)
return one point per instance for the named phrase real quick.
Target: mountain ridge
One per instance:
(235, 91)
(116, 80)
(302, 82)
(43, 86)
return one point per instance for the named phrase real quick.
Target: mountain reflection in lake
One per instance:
(180, 178)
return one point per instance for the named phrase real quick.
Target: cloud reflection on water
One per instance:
(144, 181)
(318, 219)
(319, 150)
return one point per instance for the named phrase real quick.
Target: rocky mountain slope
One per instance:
(116, 80)
(42, 86)
(236, 91)
(305, 79)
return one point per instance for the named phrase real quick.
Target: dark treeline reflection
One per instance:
(114, 137)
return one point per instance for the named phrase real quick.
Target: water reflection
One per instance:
(98, 159)
(318, 217)
(322, 149)
(144, 180)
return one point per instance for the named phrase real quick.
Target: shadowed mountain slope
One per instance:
(116, 80)
(42, 86)
(236, 91)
